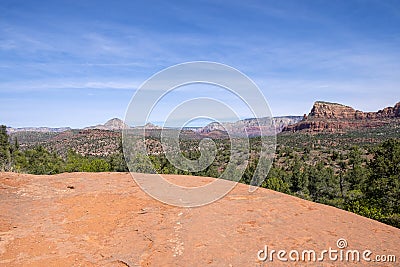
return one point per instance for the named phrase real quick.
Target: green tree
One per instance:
(117, 163)
(357, 174)
(298, 184)
(342, 179)
(74, 162)
(5, 153)
(97, 165)
(383, 184)
(292, 172)
(277, 184)
(78, 163)
(322, 182)
(38, 161)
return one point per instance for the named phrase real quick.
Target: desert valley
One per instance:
(82, 208)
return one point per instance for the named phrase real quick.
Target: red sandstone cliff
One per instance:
(333, 117)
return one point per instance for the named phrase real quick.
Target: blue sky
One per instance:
(78, 63)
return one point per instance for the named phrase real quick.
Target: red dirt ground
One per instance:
(104, 219)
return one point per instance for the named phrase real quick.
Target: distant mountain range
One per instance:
(11, 130)
(114, 124)
(323, 117)
(250, 126)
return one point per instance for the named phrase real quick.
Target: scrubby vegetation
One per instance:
(39, 160)
(343, 170)
(363, 180)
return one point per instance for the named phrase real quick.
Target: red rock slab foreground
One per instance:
(105, 219)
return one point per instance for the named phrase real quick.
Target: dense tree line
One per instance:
(38, 160)
(364, 180)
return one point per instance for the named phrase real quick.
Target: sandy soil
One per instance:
(104, 219)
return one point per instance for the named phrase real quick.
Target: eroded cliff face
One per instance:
(333, 117)
(252, 127)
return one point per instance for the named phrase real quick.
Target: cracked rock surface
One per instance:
(105, 219)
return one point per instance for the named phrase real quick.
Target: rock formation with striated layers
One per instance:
(333, 117)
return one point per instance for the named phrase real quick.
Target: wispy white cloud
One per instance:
(46, 85)
(297, 53)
